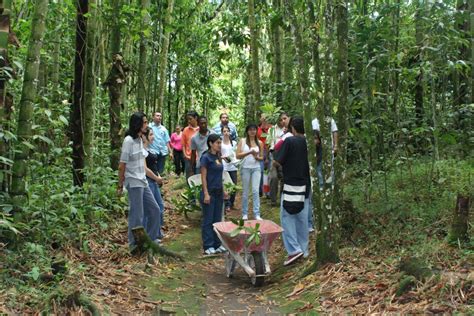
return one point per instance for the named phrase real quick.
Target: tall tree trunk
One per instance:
(142, 65)
(28, 98)
(461, 98)
(315, 39)
(5, 11)
(256, 90)
(418, 88)
(177, 96)
(471, 23)
(89, 85)
(169, 115)
(277, 53)
(471, 7)
(114, 82)
(396, 88)
(55, 70)
(76, 122)
(326, 247)
(342, 115)
(164, 55)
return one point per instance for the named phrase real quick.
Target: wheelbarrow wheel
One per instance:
(230, 264)
(257, 263)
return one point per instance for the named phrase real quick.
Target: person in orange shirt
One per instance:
(188, 133)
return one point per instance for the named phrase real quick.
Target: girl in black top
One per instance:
(154, 179)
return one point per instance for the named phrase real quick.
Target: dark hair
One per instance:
(247, 137)
(222, 128)
(283, 114)
(220, 116)
(135, 124)
(297, 123)
(211, 139)
(192, 113)
(202, 117)
(147, 133)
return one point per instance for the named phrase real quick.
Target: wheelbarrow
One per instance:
(252, 257)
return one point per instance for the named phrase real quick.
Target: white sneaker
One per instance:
(210, 251)
(221, 249)
(258, 218)
(311, 230)
(245, 217)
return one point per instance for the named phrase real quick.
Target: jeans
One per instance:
(144, 211)
(161, 163)
(274, 177)
(178, 160)
(187, 168)
(212, 213)
(230, 202)
(155, 190)
(295, 230)
(250, 179)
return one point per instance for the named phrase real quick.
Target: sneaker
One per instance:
(292, 258)
(258, 218)
(221, 249)
(245, 217)
(311, 229)
(157, 241)
(210, 251)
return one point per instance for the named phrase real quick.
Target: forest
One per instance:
(392, 232)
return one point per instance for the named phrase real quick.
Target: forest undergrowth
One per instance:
(73, 253)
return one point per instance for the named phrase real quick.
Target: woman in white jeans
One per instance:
(250, 150)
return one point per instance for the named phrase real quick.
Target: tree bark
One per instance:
(76, 114)
(164, 55)
(326, 248)
(5, 110)
(463, 81)
(339, 165)
(256, 89)
(115, 82)
(418, 88)
(277, 54)
(142, 65)
(89, 85)
(460, 225)
(28, 98)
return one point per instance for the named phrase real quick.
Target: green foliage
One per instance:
(187, 202)
(254, 232)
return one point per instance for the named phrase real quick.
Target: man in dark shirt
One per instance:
(293, 157)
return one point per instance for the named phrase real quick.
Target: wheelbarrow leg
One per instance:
(267, 263)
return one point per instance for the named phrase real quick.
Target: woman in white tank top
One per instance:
(250, 150)
(228, 160)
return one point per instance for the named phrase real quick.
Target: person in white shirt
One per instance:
(228, 148)
(275, 175)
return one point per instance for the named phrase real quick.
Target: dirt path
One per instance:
(200, 285)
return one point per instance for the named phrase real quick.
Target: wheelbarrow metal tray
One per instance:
(269, 231)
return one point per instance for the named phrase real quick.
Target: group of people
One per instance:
(279, 151)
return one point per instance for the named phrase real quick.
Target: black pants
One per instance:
(231, 200)
(178, 159)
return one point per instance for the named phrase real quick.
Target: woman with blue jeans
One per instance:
(132, 171)
(154, 181)
(250, 150)
(212, 194)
